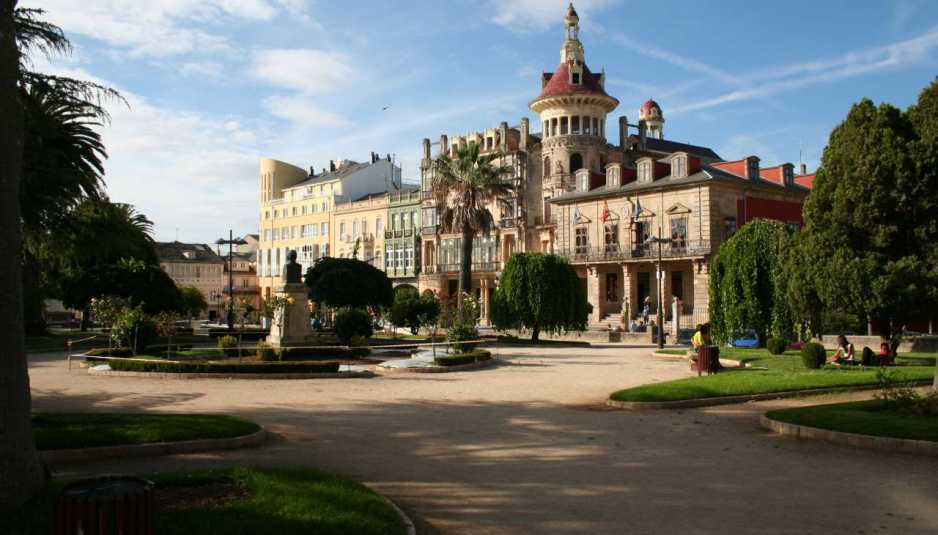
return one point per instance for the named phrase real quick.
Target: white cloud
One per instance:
(303, 69)
(537, 15)
(158, 28)
(207, 69)
(302, 111)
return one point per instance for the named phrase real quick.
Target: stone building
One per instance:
(197, 265)
(599, 203)
(359, 224)
(402, 236)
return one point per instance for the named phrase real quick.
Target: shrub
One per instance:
(813, 355)
(133, 329)
(461, 332)
(359, 346)
(350, 322)
(776, 346)
(477, 355)
(105, 352)
(266, 352)
(222, 367)
(228, 345)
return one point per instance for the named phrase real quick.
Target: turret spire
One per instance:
(572, 48)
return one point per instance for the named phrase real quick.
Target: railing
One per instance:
(477, 267)
(408, 232)
(508, 222)
(647, 251)
(388, 234)
(428, 230)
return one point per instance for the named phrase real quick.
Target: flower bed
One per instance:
(471, 357)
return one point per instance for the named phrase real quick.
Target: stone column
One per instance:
(593, 293)
(484, 312)
(701, 291)
(628, 296)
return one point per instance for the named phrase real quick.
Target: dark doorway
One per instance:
(576, 162)
(677, 284)
(453, 290)
(644, 288)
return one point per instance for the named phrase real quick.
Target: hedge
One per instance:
(126, 365)
(297, 353)
(476, 355)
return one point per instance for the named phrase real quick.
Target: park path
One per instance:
(528, 447)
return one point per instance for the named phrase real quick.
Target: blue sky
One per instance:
(214, 84)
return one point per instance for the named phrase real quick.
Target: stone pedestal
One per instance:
(291, 326)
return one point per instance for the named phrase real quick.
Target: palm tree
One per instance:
(463, 187)
(21, 472)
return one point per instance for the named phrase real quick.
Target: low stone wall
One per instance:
(870, 442)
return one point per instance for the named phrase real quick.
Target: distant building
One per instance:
(244, 284)
(197, 265)
(361, 223)
(402, 236)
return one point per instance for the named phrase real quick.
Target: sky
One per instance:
(212, 85)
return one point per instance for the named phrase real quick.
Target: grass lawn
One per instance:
(248, 500)
(55, 431)
(875, 417)
(765, 374)
(917, 359)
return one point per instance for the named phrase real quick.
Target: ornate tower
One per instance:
(653, 117)
(572, 107)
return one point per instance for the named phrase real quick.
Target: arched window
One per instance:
(546, 171)
(576, 162)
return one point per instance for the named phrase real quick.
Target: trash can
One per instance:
(104, 506)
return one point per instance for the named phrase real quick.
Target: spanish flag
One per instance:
(605, 215)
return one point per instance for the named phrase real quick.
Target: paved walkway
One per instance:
(528, 447)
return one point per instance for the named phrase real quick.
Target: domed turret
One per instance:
(650, 112)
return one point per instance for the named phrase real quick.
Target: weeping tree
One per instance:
(745, 282)
(464, 186)
(540, 292)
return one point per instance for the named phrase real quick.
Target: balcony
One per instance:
(645, 251)
(388, 234)
(477, 267)
(429, 230)
(508, 222)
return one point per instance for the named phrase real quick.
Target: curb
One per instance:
(869, 442)
(726, 363)
(164, 375)
(441, 369)
(154, 448)
(408, 523)
(728, 400)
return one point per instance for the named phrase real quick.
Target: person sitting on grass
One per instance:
(844, 353)
(885, 356)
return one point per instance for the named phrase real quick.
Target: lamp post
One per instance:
(660, 275)
(231, 241)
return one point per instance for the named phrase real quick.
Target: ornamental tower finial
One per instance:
(572, 48)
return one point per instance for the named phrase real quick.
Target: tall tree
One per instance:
(745, 289)
(871, 218)
(348, 282)
(540, 292)
(21, 472)
(464, 186)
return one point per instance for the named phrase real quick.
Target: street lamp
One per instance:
(231, 241)
(660, 274)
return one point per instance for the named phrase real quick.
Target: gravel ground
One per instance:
(529, 447)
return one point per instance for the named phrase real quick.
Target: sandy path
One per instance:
(528, 448)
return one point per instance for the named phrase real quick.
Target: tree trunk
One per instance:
(465, 268)
(21, 472)
(535, 334)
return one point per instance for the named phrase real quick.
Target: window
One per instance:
(553, 127)
(267, 235)
(324, 229)
(575, 124)
(546, 171)
(294, 210)
(563, 126)
(576, 162)
(575, 78)
(413, 220)
(388, 263)
(342, 229)
(679, 166)
(644, 171)
(582, 240)
(613, 177)
(365, 227)
(752, 167)
(642, 233)
(267, 214)
(276, 214)
(595, 126)
(379, 226)
(409, 259)
(276, 233)
(325, 207)
(356, 229)
(729, 227)
(611, 238)
(315, 208)
(679, 233)
(583, 181)
(293, 232)
(788, 175)
(586, 125)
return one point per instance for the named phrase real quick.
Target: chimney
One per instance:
(525, 131)
(623, 132)
(426, 149)
(444, 145)
(642, 134)
(503, 133)
(389, 157)
(804, 168)
(312, 171)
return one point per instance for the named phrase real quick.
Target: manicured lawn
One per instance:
(55, 431)
(248, 500)
(672, 351)
(874, 417)
(917, 359)
(766, 374)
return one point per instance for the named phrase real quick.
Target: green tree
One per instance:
(21, 472)
(193, 301)
(347, 282)
(540, 292)
(412, 310)
(745, 282)
(871, 215)
(463, 188)
(145, 285)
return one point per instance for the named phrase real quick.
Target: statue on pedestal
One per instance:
(292, 327)
(292, 272)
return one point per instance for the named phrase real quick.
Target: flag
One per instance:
(638, 208)
(605, 215)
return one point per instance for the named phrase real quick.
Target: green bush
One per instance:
(477, 355)
(133, 329)
(813, 355)
(461, 332)
(123, 365)
(105, 352)
(228, 345)
(776, 346)
(266, 352)
(351, 322)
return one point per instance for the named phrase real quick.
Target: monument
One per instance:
(290, 326)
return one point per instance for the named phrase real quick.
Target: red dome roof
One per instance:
(558, 83)
(649, 104)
